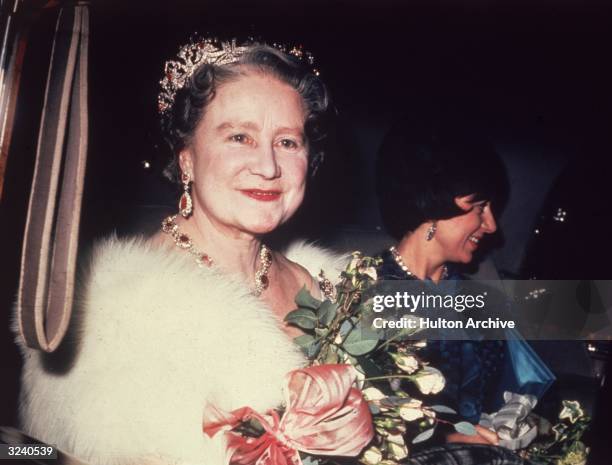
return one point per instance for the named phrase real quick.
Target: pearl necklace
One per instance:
(400, 262)
(183, 241)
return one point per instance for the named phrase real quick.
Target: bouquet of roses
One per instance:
(392, 376)
(358, 398)
(364, 393)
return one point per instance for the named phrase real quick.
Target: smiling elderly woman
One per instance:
(194, 314)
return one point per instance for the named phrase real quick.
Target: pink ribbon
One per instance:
(325, 415)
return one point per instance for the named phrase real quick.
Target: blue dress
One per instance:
(471, 367)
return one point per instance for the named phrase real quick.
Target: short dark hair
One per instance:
(190, 102)
(422, 167)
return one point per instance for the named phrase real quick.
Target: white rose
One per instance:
(397, 451)
(355, 261)
(369, 271)
(372, 456)
(396, 439)
(372, 393)
(411, 411)
(430, 380)
(406, 362)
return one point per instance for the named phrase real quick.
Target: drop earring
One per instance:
(431, 231)
(185, 202)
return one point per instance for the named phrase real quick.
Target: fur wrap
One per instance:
(152, 339)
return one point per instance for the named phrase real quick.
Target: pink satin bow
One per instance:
(325, 415)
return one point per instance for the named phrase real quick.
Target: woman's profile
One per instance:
(438, 187)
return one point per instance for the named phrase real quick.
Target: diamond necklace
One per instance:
(183, 241)
(400, 262)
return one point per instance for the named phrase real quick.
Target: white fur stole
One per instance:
(153, 339)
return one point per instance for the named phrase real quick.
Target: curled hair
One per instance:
(178, 125)
(422, 168)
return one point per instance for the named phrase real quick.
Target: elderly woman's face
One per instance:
(459, 236)
(248, 157)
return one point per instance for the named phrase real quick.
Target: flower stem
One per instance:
(378, 378)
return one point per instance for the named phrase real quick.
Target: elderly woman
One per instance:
(437, 190)
(193, 315)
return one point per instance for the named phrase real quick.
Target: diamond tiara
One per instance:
(213, 52)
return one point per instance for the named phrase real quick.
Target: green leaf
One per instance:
(374, 410)
(308, 344)
(406, 333)
(313, 349)
(424, 436)
(466, 428)
(326, 312)
(365, 308)
(303, 318)
(360, 341)
(304, 299)
(387, 403)
(345, 327)
(397, 400)
(442, 409)
(304, 340)
(321, 332)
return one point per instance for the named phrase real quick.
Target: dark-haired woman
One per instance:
(437, 189)
(193, 315)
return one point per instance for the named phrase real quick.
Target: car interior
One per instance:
(533, 77)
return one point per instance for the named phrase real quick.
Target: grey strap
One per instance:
(48, 261)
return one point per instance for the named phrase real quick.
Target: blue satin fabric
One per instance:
(524, 371)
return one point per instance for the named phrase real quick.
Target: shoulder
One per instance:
(389, 270)
(313, 259)
(141, 284)
(138, 263)
(294, 272)
(129, 280)
(113, 257)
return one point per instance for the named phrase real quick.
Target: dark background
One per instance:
(534, 77)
